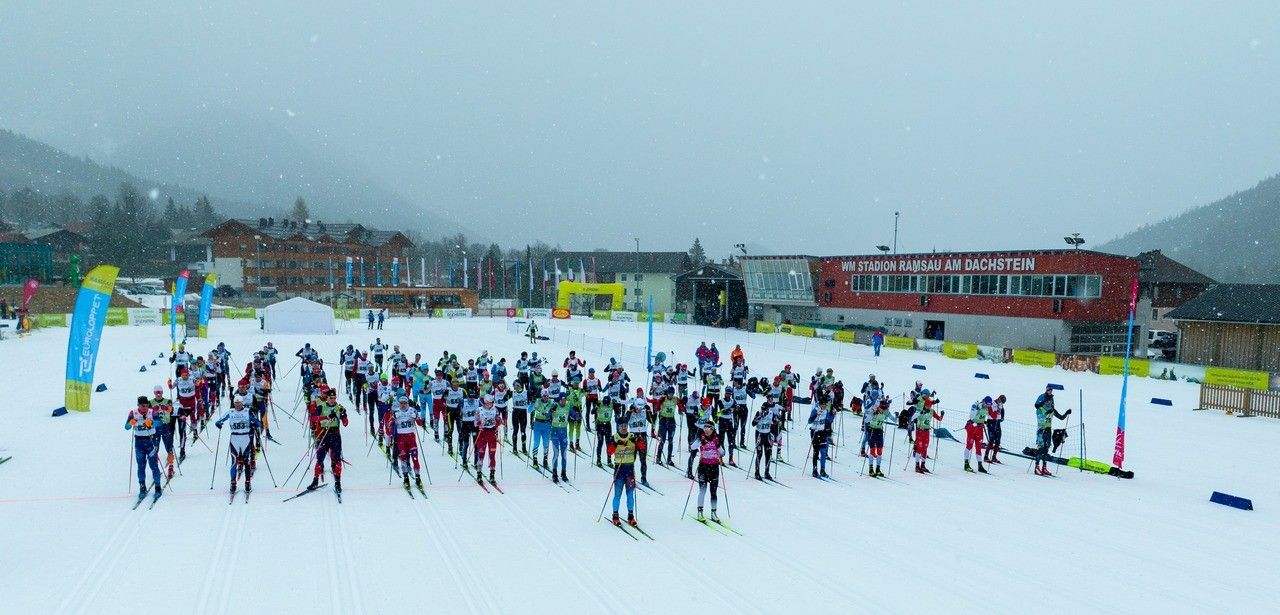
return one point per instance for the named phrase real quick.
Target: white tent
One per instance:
(298, 315)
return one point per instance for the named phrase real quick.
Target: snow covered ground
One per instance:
(950, 542)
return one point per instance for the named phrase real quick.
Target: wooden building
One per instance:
(297, 257)
(1231, 325)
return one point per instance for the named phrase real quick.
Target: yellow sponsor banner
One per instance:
(49, 320)
(843, 336)
(765, 327)
(960, 350)
(1114, 366)
(803, 331)
(1244, 379)
(77, 395)
(1022, 356)
(901, 343)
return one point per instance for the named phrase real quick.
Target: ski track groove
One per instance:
(212, 573)
(566, 558)
(229, 568)
(77, 594)
(335, 597)
(463, 583)
(357, 596)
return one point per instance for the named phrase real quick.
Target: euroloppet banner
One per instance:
(86, 332)
(206, 303)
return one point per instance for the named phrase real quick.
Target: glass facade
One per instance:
(1064, 286)
(782, 281)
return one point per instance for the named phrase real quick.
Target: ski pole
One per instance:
(724, 484)
(215, 461)
(687, 498)
(131, 445)
(263, 447)
(612, 484)
(425, 467)
(892, 446)
(806, 456)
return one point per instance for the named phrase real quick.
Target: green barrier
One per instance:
(844, 336)
(959, 350)
(1244, 379)
(901, 343)
(679, 319)
(1090, 465)
(238, 313)
(49, 320)
(1022, 356)
(657, 317)
(766, 327)
(117, 316)
(601, 315)
(1114, 366)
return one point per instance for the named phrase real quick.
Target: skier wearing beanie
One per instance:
(973, 431)
(710, 453)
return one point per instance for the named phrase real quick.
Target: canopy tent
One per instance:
(298, 315)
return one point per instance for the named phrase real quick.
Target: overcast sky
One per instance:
(798, 126)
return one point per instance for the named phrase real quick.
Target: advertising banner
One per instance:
(959, 350)
(86, 332)
(901, 343)
(1040, 358)
(1244, 379)
(623, 316)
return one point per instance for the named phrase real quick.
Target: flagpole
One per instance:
(1117, 459)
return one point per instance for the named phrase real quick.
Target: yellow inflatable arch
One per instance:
(567, 289)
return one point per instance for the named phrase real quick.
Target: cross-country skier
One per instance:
(820, 420)
(532, 332)
(467, 425)
(378, 349)
(325, 419)
(488, 419)
(668, 408)
(403, 425)
(185, 411)
(740, 411)
(974, 429)
(1044, 429)
(637, 421)
(142, 422)
(604, 430)
(243, 424)
(180, 358)
(542, 410)
(763, 422)
(519, 418)
(165, 422)
(924, 417)
(622, 449)
(559, 438)
(710, 453)
(993, 429)
(573, 397)
(875, 437)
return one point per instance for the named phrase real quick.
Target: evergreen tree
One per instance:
(66, 208)
(203, 216)
(697, 255)
(24, 206)
(172, 216)
(300, 211)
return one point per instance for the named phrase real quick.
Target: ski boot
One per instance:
(535, 461)
(406, 481)
(564, 476)
(142, 490)
(767, 476)
(616, 520)
(182, 455)
(669, 461)
(337, 484)
(879, 473)
(823, 474)
(967, 467)
(758, 475)
(417, 480)
(919, 468)
(982, 469)
(544, 461)
(815, 473)
(524, 446)
(555, 478)
(479, 478)
(631, 519)
(492, 479)
(714, 518)
(700, 517)
(233, 488)
(248, 486)
(315, 484)
(689, 474)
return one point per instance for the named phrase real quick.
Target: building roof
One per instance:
(938, 253)
(37, 234)
(711, 270)
(315, 231)
(1246, 303)
(1156, 268)
(623, 262)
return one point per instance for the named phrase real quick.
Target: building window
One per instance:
(1155, 314)
(264, 280)
(638, 293)
(639, 277)
(622, 277)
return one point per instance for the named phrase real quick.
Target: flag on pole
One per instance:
(206, 302)
(395, 271)
(349, 267)
(1117, 459)
(179, 290)
(582, 268)
(491, 275)
(87, 319)
(363, 281)
(466, 271)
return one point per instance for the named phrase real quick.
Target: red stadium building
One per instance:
(1061, 300)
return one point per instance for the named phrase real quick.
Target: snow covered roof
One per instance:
(1156, 268)
(1245, 303)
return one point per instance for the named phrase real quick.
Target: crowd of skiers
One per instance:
(475, 406)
